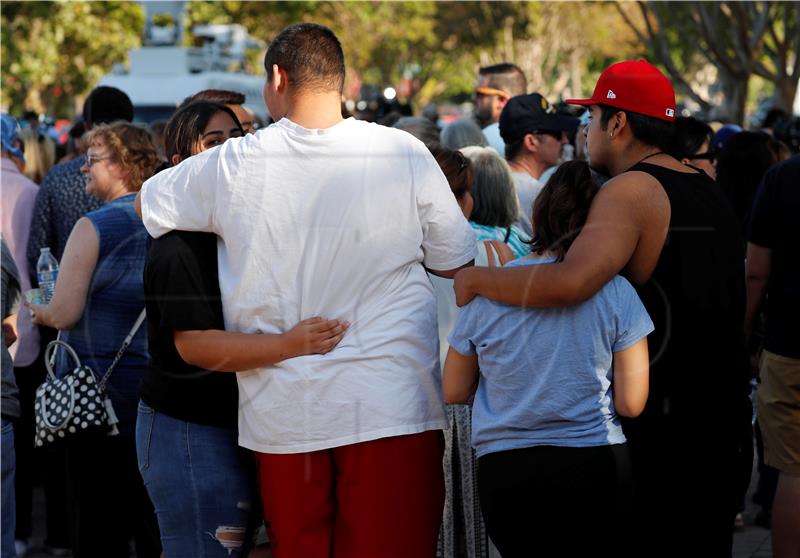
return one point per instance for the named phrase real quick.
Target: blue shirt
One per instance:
(60, 202)
(114, 301)
(546, 374)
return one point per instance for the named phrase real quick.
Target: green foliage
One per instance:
(712, 50)
(53, 52)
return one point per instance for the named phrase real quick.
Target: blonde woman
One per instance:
(40, 154)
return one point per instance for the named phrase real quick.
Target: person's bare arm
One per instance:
(758, 267)
(631, 379)
(450, 273)
(74, 277)
(625, 229)
(226, 351)
(459, 377)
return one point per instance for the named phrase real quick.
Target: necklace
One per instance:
(645, 158)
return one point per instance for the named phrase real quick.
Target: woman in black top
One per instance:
(201, 483)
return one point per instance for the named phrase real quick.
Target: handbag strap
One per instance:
(122, 349)
(50, 362)
(50, 356)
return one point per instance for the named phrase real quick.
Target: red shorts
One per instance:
(375, 499)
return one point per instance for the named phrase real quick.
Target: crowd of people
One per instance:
(534, 332)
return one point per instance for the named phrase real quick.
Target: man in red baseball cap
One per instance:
(669, 230)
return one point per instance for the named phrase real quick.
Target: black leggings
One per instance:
(557, 501)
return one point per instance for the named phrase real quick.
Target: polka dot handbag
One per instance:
(68, 405)
(76, 402)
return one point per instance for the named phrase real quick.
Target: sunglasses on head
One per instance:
(491, 91)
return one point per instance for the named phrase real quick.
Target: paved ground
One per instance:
(752, 542)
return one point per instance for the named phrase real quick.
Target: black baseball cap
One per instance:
(525, 114)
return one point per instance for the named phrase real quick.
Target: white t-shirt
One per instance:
(338, 223)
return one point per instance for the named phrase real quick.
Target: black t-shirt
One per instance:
(182, 293)
(775, 224)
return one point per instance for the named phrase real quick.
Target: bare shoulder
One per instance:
(637, 199)
(83, 237)
(636, 186)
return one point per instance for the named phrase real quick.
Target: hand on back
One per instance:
(316, 335)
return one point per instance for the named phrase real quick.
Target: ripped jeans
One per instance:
(202, 485)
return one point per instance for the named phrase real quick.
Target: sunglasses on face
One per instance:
(551, 133)
(708, 155)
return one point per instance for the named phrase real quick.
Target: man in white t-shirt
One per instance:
(320, 216)
(534, 135)
(495, 86)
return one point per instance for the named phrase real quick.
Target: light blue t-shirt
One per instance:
(517, 239)
(494, 139)
(545, 374)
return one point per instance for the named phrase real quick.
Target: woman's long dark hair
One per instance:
(561, 208)
(185, 128)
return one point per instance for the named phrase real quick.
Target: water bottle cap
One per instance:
(45, 249)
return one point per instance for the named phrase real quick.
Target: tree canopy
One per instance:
(54, 52)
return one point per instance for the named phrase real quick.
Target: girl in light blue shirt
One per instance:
(549, 385)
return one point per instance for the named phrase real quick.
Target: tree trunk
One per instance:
(734, 92)
(785, 92)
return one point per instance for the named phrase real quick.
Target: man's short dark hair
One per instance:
(107, 104)
(646, 129)
(310, 54)
(221, 96)
(506, 77)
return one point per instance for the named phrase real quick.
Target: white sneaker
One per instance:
(20, 547)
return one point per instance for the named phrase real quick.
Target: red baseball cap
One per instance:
(635, 86)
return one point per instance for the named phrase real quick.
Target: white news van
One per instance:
(162, 74)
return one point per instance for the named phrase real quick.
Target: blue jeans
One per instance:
(201, 484)
(8, 464)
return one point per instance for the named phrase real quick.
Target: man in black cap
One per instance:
(534, 135)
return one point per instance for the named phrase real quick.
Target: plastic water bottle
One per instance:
(47, 273)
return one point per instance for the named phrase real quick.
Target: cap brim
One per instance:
(582, 102)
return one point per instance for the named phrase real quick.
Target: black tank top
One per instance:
(696, 298)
